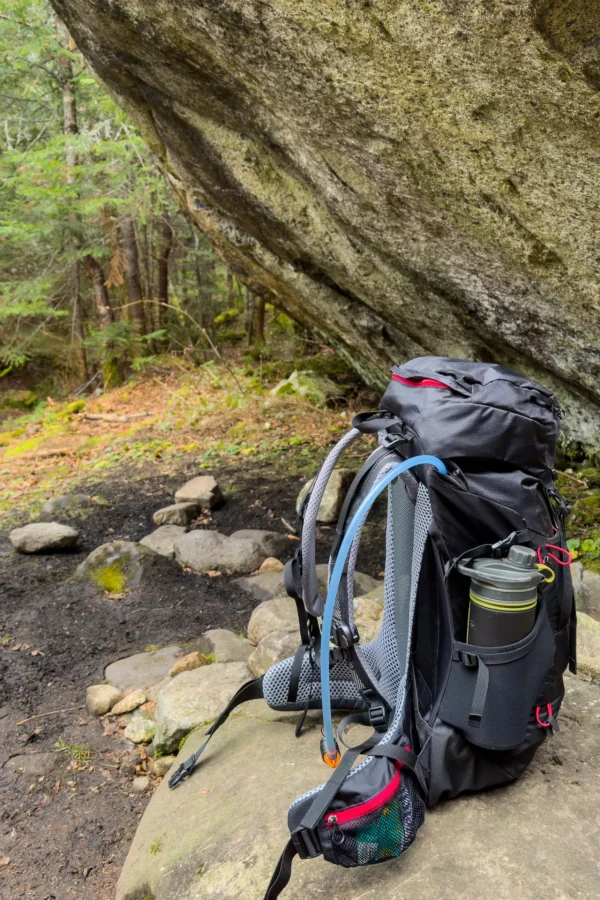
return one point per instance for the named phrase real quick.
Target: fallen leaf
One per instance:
(36, 653)
(4, 861)
(16, 647)
(213, 573)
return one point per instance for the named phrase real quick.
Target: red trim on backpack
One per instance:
(363, 809)
(420, 382)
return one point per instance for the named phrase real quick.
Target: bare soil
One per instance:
(66, 833)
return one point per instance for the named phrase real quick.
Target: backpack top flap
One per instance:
(459, 410)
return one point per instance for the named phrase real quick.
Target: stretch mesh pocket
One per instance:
(383, 832)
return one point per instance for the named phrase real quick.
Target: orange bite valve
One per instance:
(331, 761)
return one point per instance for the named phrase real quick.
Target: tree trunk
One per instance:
(165, 237)
(77, 332)
(259, 319)
(96, 275)
(249, 309)
(132, 274)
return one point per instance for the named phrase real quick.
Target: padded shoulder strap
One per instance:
(310, 585)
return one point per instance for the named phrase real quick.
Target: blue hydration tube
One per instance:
(336, 576)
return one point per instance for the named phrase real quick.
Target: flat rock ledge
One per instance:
(222, 830)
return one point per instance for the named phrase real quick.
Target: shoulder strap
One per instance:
(252, 690)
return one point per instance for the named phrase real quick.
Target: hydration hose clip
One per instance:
(345, 636)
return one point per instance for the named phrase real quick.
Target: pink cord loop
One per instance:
(568, 558)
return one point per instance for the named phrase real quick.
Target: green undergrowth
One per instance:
(581, 488)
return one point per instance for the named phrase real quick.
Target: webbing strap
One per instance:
(282, 873)
(496, 550)
(480, 694)
(252, 690)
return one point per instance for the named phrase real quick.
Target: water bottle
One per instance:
(503, 597)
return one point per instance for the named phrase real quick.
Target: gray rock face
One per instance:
(225, 646)
(497, 845)
(333, 498)
(100, 698)
(586, 585)
(163, 540)
(177, 514)
(202, 490)
(272, 649)
(270, 585)
(43, 537)
(195, 697)
(271, 543)
(142, 670)
(385, 225)
(65, 505)
(204, 551)
(120, 565)
(588, 645)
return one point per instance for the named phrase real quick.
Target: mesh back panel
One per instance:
(382, 655)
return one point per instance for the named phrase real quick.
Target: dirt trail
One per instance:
(67, 832)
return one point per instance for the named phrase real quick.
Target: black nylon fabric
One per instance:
(484, 412)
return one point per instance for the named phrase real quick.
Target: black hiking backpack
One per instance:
(466, 451)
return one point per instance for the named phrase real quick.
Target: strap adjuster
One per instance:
(378, 717)
(306, 843)
(506, 543)
(469, 660)
(345, 636)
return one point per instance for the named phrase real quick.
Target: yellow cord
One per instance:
(542, 568)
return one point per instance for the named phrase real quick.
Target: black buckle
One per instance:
(345, 636)
(306, 843)
(378, 717)
(505, 544)
(184, 771)
(469, 660)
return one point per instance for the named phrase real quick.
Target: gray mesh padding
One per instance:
(277, 681)
(313, 601)
(383, 654)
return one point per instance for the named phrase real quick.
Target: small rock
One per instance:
(162, 540)
(333, 498)
(588, 645)
(278, 615)
(272, 649)
(33, 765)
(43, 537)
(129, 702)
(66, 505)
(140, 784)
(202, 490)
(100, 698)
(225, 646)
(271, 565)
(206, 551)
(140, 730)
(271, 543)
(160, 765)
(177, 514)
(187, 664)
(120, 565)
(268, 585)
(193, 698)
(143, 669)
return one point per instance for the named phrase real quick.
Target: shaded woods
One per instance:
(99, 270)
